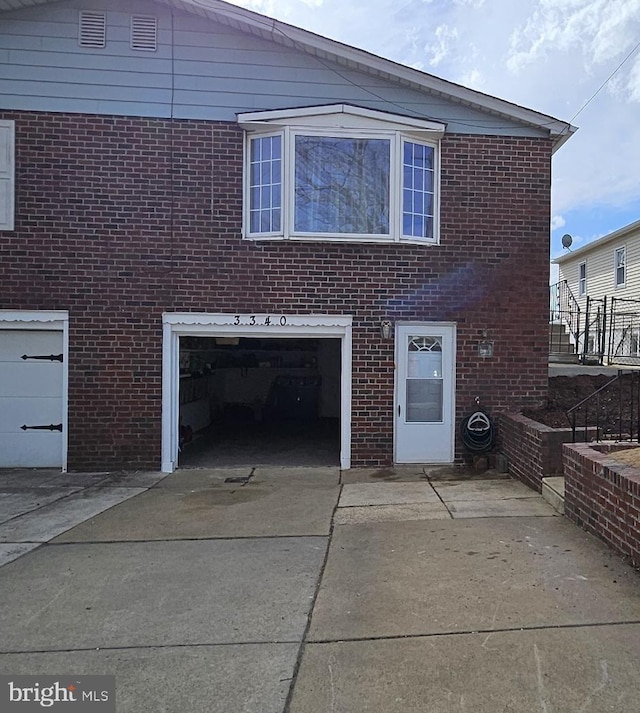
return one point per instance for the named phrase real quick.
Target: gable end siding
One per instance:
(213, 72)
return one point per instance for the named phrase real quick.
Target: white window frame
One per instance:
(620, 250)
(359, 124)
(582, 279)
(7, 174)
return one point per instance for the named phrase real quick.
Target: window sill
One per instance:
(333, 239)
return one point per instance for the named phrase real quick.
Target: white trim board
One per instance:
(198, 324)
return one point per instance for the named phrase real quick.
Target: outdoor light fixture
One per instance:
(385, 329)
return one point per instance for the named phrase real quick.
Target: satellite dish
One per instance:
(566, 240)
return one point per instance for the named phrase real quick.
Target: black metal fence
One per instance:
(624, 332)
(612, 412)
(606, 329)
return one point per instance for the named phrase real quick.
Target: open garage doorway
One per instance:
(267, 401)
(256, 390)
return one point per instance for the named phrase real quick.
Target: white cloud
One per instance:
(594, 31)
(557, 222)
(473, 79)
(633, 84)
(440, 48)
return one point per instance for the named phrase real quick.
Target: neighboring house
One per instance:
(603, 279)
(211, 217)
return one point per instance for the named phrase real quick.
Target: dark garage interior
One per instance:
(256, 401)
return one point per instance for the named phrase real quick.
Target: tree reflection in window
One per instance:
(342, 185)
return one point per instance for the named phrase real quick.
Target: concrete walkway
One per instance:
(271, 590)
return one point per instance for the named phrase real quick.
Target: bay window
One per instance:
(324, 183)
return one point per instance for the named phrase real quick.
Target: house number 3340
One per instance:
(259, 320)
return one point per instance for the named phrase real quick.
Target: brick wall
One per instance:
(119, 219)
(603, 497)
(534, 451)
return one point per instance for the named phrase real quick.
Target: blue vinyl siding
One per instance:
(219, 71)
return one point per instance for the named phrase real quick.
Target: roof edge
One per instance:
(594, 244)
(559, 130)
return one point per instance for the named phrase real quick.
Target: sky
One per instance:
(553, 56)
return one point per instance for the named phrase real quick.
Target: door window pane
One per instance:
(424, 400)
(424, 379)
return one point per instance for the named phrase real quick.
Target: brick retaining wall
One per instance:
(602, 495)
(534, 451)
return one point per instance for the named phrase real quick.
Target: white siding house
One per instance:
(604, 279)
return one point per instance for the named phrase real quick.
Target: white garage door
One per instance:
(31, 398)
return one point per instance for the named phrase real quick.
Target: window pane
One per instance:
(275, 219)
(265, 184)
(417, 216)
(406, 201)
(408, 176)
(342, 185)
(424, 400)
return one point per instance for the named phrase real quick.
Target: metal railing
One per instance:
(624, 331)
(609, 413)
(594, 342)
(564, 312)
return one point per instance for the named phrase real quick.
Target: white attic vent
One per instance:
(144, 33)
(92, 30)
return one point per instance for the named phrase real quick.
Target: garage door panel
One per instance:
(40, 379)
(33, 412)
(15, 343)
(31, 450)
(31, 394)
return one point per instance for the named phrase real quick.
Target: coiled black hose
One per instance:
(477, 432)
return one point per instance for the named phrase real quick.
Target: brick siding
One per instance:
(119, 219)
(603, 497)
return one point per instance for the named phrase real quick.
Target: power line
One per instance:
(604, 84)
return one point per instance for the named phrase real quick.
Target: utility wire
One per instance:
(604, 84)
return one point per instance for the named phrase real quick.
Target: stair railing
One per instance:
(628, 427)
(564, 309)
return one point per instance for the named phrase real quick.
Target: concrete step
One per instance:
(553, 492)
(563, 358)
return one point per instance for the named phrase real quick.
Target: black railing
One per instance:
(624, 331)
(595, 331)
(607, 329)
(564, 314)
(610, 412)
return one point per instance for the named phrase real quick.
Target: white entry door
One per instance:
(425, 385)
(31, 398)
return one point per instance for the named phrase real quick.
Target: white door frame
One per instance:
(49, 320)
(452, 393)
(195, 324)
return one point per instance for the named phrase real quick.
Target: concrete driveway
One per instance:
(271, 590)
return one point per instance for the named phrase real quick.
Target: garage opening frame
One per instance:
(275, 325)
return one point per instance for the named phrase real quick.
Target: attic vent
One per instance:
(92, 31)
(144, 33)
